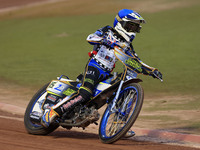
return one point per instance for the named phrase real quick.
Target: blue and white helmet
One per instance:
(127, 24)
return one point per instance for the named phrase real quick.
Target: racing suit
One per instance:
(100, 65)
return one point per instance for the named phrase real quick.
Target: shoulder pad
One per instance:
(103, 30)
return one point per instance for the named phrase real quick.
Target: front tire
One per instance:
(31, 127)
(113, 126)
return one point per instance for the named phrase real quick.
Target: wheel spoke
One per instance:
(115, 124)
(118, 120)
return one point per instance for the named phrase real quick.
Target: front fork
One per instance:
(114, 102)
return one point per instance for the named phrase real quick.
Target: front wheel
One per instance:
(114, 125)
(35, 105)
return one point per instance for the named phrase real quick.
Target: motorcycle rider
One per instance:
(102, 60)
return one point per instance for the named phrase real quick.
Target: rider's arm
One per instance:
(98, 36)
(94, 39)
(147, 70)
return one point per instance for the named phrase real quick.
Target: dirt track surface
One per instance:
(11, 3)
(14, 136)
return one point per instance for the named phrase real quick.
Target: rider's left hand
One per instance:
(157, 74)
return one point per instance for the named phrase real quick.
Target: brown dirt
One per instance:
(24, 8)
(170, 113)
(14, 136)
(173, 120)
(15, 3)
(19, 96)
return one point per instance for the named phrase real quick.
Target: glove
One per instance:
(106, 42)
(109, 43)
(157, 74)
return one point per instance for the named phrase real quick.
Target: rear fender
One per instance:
(101, 99)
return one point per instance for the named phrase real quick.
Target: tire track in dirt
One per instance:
(14, 136)
(147, 135)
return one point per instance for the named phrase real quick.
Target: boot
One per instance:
(48, 117)
(129, 134)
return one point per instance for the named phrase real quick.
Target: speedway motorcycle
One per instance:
(121, 92)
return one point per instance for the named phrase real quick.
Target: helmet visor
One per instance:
(131, 26)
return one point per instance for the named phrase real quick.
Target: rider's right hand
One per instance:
(106, 42)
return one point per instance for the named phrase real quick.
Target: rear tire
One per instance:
(105, 134)
(35, 128)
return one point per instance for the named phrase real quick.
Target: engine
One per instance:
(80, 117)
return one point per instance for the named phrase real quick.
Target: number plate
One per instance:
(57, 87)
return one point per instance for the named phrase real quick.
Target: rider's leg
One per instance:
(91, 78)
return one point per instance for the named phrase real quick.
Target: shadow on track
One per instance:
(73, 134)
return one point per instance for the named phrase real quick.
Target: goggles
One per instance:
(131, 26)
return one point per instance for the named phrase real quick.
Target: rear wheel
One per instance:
(35, 104)
(114, 125)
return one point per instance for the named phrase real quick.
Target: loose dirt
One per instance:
(19, 96)
(77, 7)
(14, 136)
